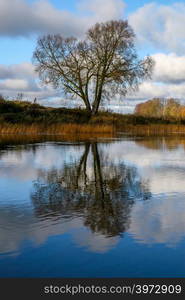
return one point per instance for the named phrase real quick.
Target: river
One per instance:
(93, 208)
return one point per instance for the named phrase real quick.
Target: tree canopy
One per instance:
(103, 64)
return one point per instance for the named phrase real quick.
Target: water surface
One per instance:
(105, 208)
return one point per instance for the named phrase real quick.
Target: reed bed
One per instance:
(153, 129)
(18, 133)
(91, 130)
(59, 129)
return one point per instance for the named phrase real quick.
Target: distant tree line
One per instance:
(166, 109)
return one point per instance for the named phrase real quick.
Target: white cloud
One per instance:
(20, 18)
(22, 70)
(14, 84)
(150, 90)
(169, 68)
(22, 78)
(102, 9)
(168, 78)
(165, 31)
(160, 26)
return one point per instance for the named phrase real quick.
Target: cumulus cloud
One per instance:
(160, 26)
(102, 9)
(22, 70)
(169, 68)
(18, 78)
(168, 78)
(20, 18)
(14, 84)
(150, 90)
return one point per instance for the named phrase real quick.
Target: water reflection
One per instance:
(107, 196)
(159, 143)
(93, 187)
(161, 221)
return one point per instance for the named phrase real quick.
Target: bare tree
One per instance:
(2, 97)
(104, 64)
(19, 96)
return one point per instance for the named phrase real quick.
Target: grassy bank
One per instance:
(24, 112)
(63, 129)
(29, 139)
(20, 117)
(92, 130)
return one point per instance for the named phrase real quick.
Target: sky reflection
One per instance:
(96, 193)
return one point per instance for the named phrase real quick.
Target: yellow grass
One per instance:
(55, 132)
(90, 130)
(59, 129)
(154, 129)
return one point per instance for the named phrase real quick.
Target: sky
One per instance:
(160, 32)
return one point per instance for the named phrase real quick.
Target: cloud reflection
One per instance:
(95, 193)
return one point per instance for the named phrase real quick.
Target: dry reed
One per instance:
(154, 130)
(59, 129)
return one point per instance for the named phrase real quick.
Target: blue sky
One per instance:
(24, 47)
(159, 28)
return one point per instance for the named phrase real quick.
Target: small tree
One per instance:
(1, 97)
(105, 63)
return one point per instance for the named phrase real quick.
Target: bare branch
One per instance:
(104, 64)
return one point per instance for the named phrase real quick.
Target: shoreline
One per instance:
(91, 130)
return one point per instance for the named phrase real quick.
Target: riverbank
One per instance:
(21, 117)
(86, 131)
(54, 129)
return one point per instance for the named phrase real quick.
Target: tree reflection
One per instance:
(94, 188)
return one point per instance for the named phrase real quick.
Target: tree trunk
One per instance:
(97, 100)
(87, 105)
(96, 105)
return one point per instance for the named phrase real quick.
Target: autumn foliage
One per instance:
(165, 109)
